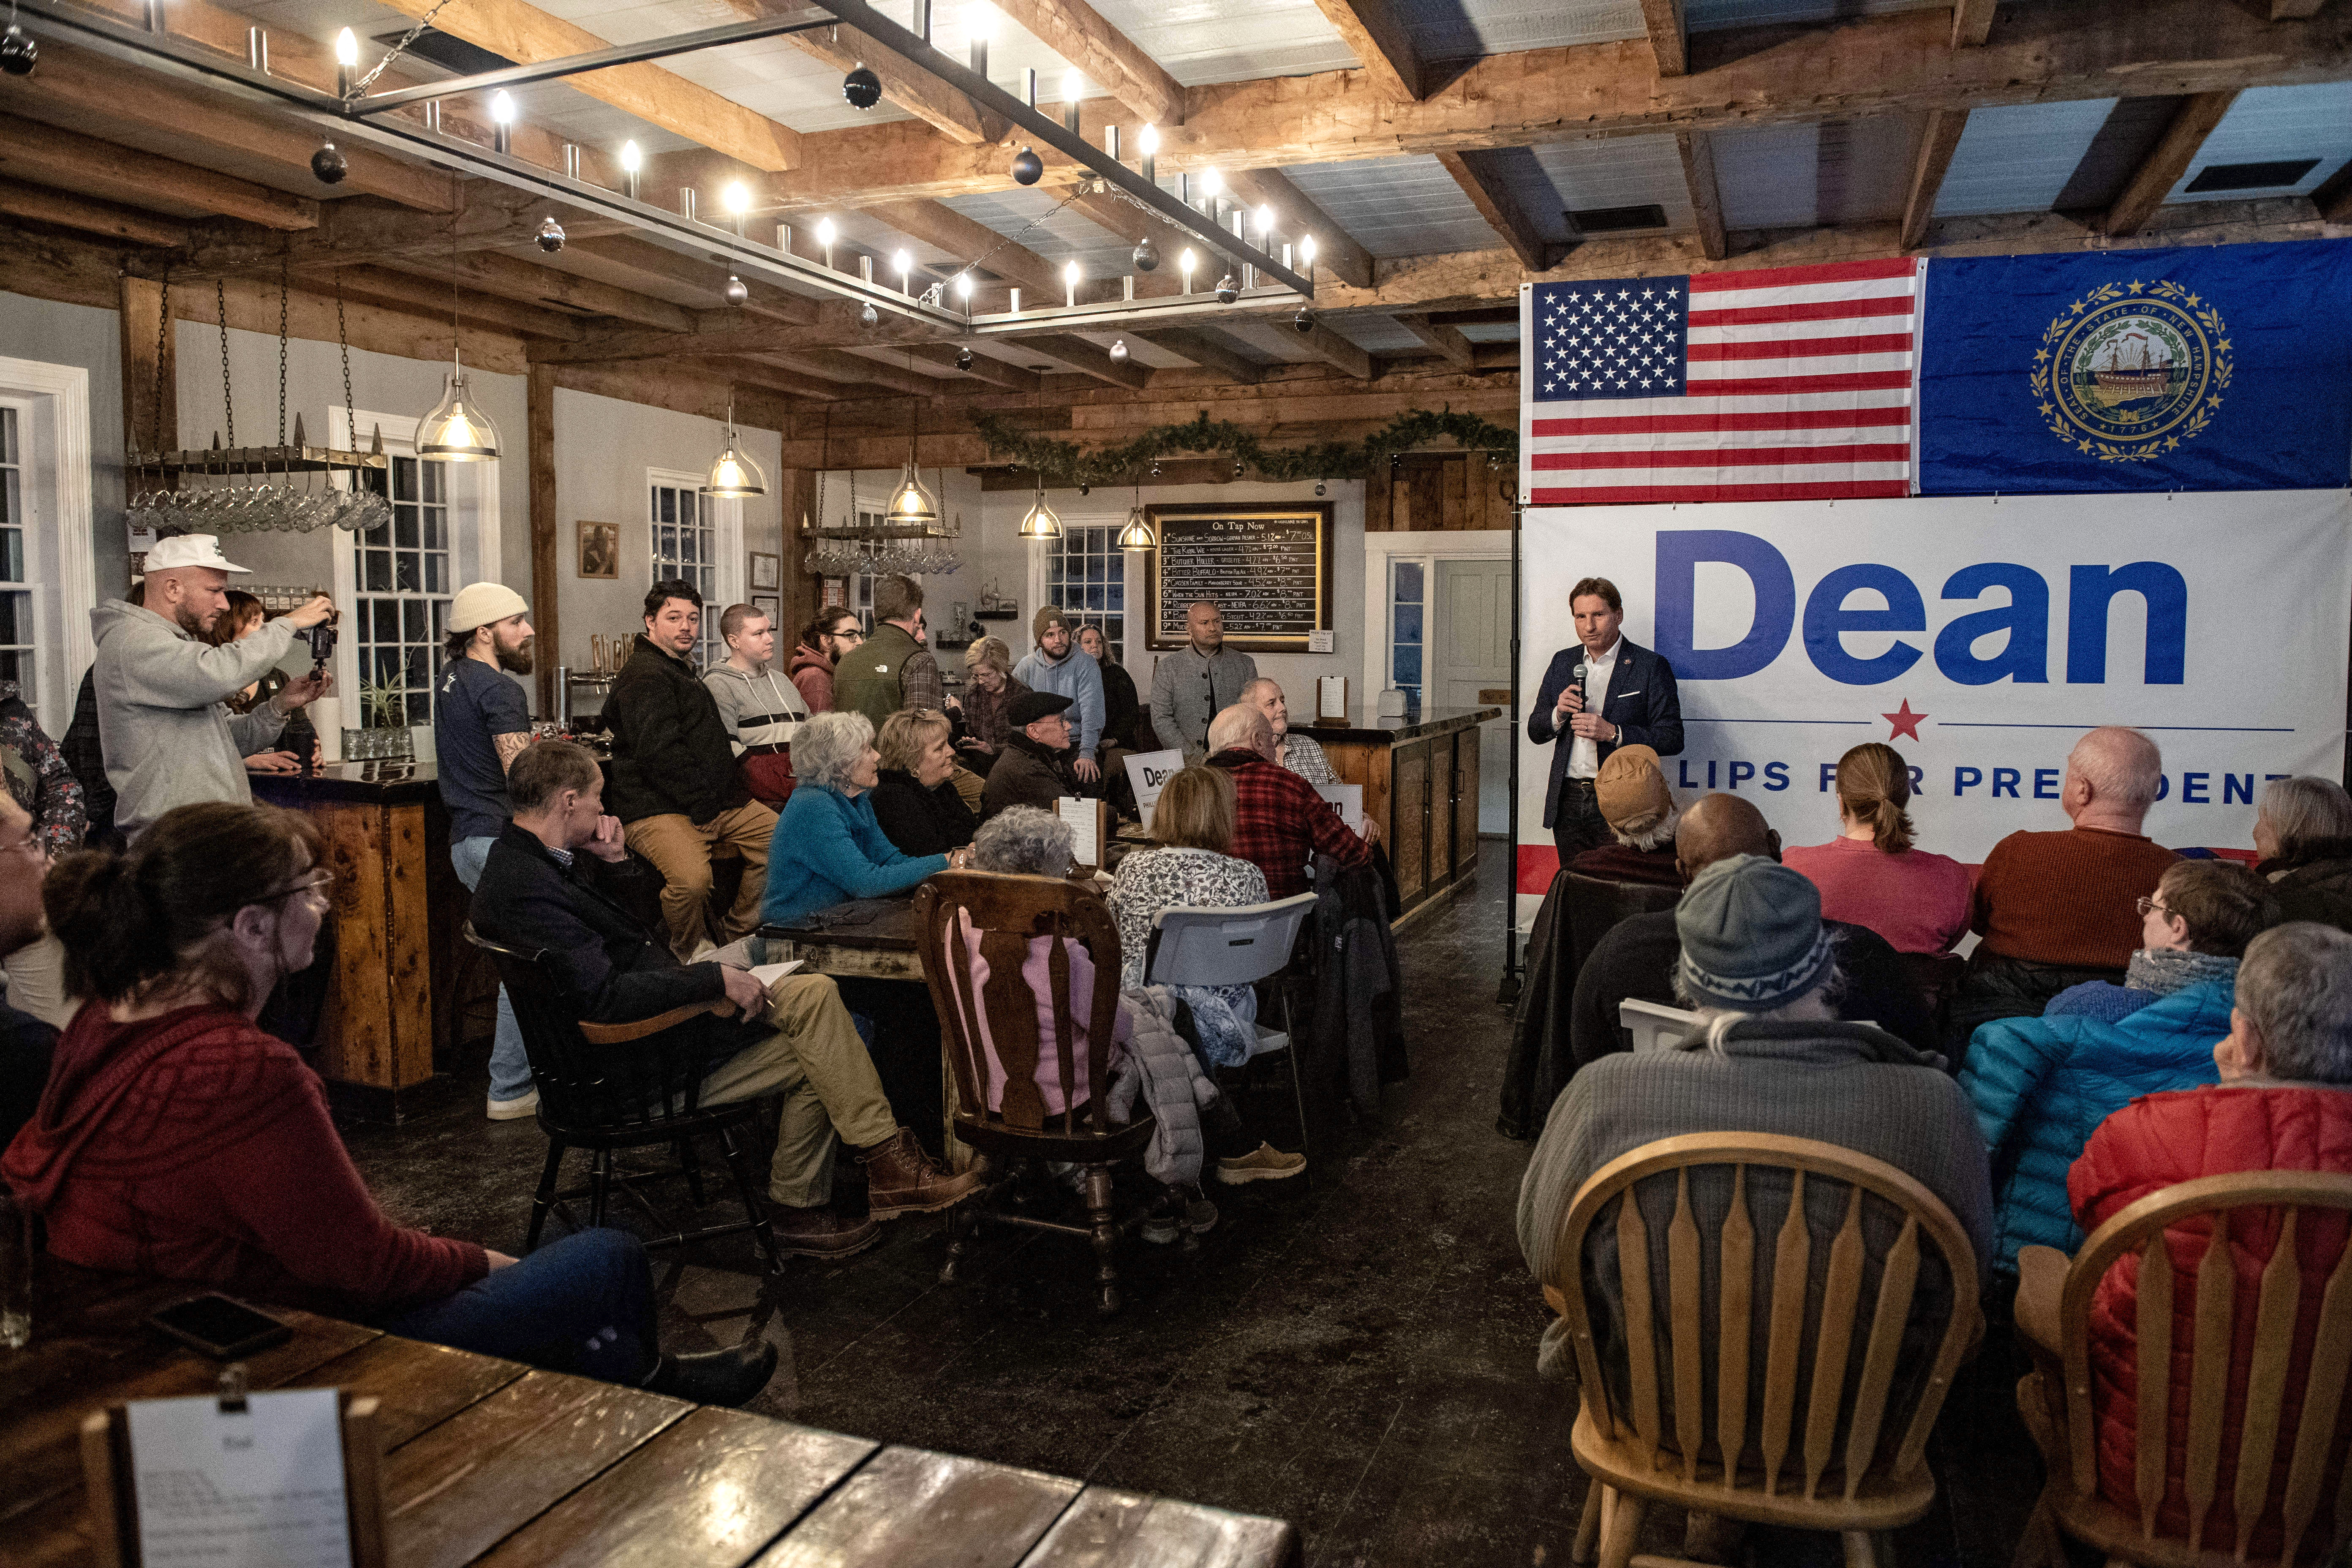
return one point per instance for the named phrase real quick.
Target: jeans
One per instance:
(1576, 823)
(583, 1305)
(510, 1067)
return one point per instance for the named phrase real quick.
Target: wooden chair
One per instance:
(1008, 910)
(607, 1088)
(1735, 1428)
(2155, 1234)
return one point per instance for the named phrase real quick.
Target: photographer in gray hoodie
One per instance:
(166, 731)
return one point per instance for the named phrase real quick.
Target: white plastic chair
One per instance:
(1653, 1025)
(1239, 946)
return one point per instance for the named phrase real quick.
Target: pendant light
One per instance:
(912, 505)
(456, 429)
(1041, 523)
(734, 475)
(1136, 535)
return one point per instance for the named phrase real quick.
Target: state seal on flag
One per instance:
(2130, 371)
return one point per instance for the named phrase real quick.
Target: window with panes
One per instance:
(1408, 595)
(686, 547)
(1085, 573)
(401, 606)
(15, 590)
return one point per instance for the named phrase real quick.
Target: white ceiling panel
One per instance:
(2017, 158)
(1622, 173)
(1067, 235)
(2269, 124)
(1796, 177)
(1201, 41)
(1465, 29)
(1396, 206)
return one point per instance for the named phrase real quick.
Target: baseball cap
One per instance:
(1031, 705)
(478, 603)
(192, 550)
(1631, 787)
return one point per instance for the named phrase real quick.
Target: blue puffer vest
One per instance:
(2041, 1085)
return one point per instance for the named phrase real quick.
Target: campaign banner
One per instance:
(1979, 637)
(2217, 368)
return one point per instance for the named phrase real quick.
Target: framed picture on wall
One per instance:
(766, 571)
(836, 594)
(769, 606)
(599, 549)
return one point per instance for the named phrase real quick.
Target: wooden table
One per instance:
(489, 1461)
(1420, 774)
(873, 937)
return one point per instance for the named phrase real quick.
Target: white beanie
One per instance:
(478, 603)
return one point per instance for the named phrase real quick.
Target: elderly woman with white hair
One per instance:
(2303, 831)
(828, 847)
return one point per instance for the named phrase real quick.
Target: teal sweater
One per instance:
(828, 849)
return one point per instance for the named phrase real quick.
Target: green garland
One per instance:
(1063, 464)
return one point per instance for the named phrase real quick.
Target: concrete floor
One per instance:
(1353, 1352)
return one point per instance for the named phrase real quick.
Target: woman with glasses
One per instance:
(989, 689)
(176, 1139)
(2041, 1085)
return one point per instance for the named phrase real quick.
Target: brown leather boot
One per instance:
(819, 1232)
(901, 1179)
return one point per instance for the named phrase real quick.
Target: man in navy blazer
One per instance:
(1625, 698)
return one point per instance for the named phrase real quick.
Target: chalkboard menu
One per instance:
(1268, 568)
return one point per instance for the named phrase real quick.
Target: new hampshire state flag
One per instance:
(2225, 367)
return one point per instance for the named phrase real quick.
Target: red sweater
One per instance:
(195, 1146)
(2069, 896)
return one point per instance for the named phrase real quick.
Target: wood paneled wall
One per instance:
(1428, 491)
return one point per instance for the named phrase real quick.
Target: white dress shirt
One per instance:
(1584, 756)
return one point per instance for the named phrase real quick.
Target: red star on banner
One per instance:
(1903, 722)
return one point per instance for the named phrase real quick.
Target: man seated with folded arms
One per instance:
(792, 1039)
(1640, 811)
(1767, 1055)
(2285, 1103)
(2041, 1085)
(2055, 908)
(1279, 820)
(1636, 957)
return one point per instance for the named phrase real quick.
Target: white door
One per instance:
(1470, 652)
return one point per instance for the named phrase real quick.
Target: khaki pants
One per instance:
(682, 853)
(36, 982)
(815, 1060)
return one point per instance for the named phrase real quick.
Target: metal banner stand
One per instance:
(1507, 994)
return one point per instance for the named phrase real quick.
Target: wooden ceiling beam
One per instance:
(70, 160)
(944, 108)
(1104, 55)
(1500, 208)
(1669, 37)
(402, 290)
(1335, 251)
(364, 229)
(937, 225)
(2282, 10)
(1937, 142)
(983, 367)
(1204, 347)
(78, 85)
(1697, 153)
(1971, 22)
(855, 370)
(527, 35)
(1084, 356)
(1447, 343)
(42, 205)
(1338, 351)
(836, 326)
(689, 390)
(662, 267)
(1896, 62)
(511, 278)
(1379, 38)
(2167, 162)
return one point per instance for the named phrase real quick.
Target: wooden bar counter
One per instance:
(1420, 775)
(397, 922)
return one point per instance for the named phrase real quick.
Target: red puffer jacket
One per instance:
(2151, 1143)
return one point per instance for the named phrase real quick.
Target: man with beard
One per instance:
(163, 722)
(481, 726)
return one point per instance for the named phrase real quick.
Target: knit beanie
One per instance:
(1752, 935)
(1049, 616)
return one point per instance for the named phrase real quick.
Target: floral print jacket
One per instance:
(37, 774)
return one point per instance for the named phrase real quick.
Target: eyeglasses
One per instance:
(321, 882)
(30, 845)
(2150, 907)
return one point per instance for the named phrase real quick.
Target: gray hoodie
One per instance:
(761, 710)
(167, 734)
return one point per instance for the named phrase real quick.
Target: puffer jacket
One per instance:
(2041, 1085)
(1160, 1069)
(2153, 1143)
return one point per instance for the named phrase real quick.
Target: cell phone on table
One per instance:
(221, 1326)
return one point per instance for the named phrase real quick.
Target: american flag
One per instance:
(1785, 384)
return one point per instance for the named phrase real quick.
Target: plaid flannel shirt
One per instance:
(1279, 821)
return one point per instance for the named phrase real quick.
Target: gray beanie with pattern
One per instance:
(1752, 935)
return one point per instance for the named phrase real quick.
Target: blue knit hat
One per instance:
(1752, 935)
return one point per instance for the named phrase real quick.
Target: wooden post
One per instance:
(142, 303)
(546, 553)
(800, 589)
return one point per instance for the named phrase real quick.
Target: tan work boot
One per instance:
(902, 1179)
(1263, 1164)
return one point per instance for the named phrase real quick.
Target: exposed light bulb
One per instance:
(632, 158)
(979, 22)
(903, 262)
(826, 232)
(963, 285)
(1212, 182)
(1074, 86)
(1148, 139)
(346, 49)
(1070, 273)
(1264, 220)
(1188, 261)
(502, 109)
(1307, 251)
(737, 197)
